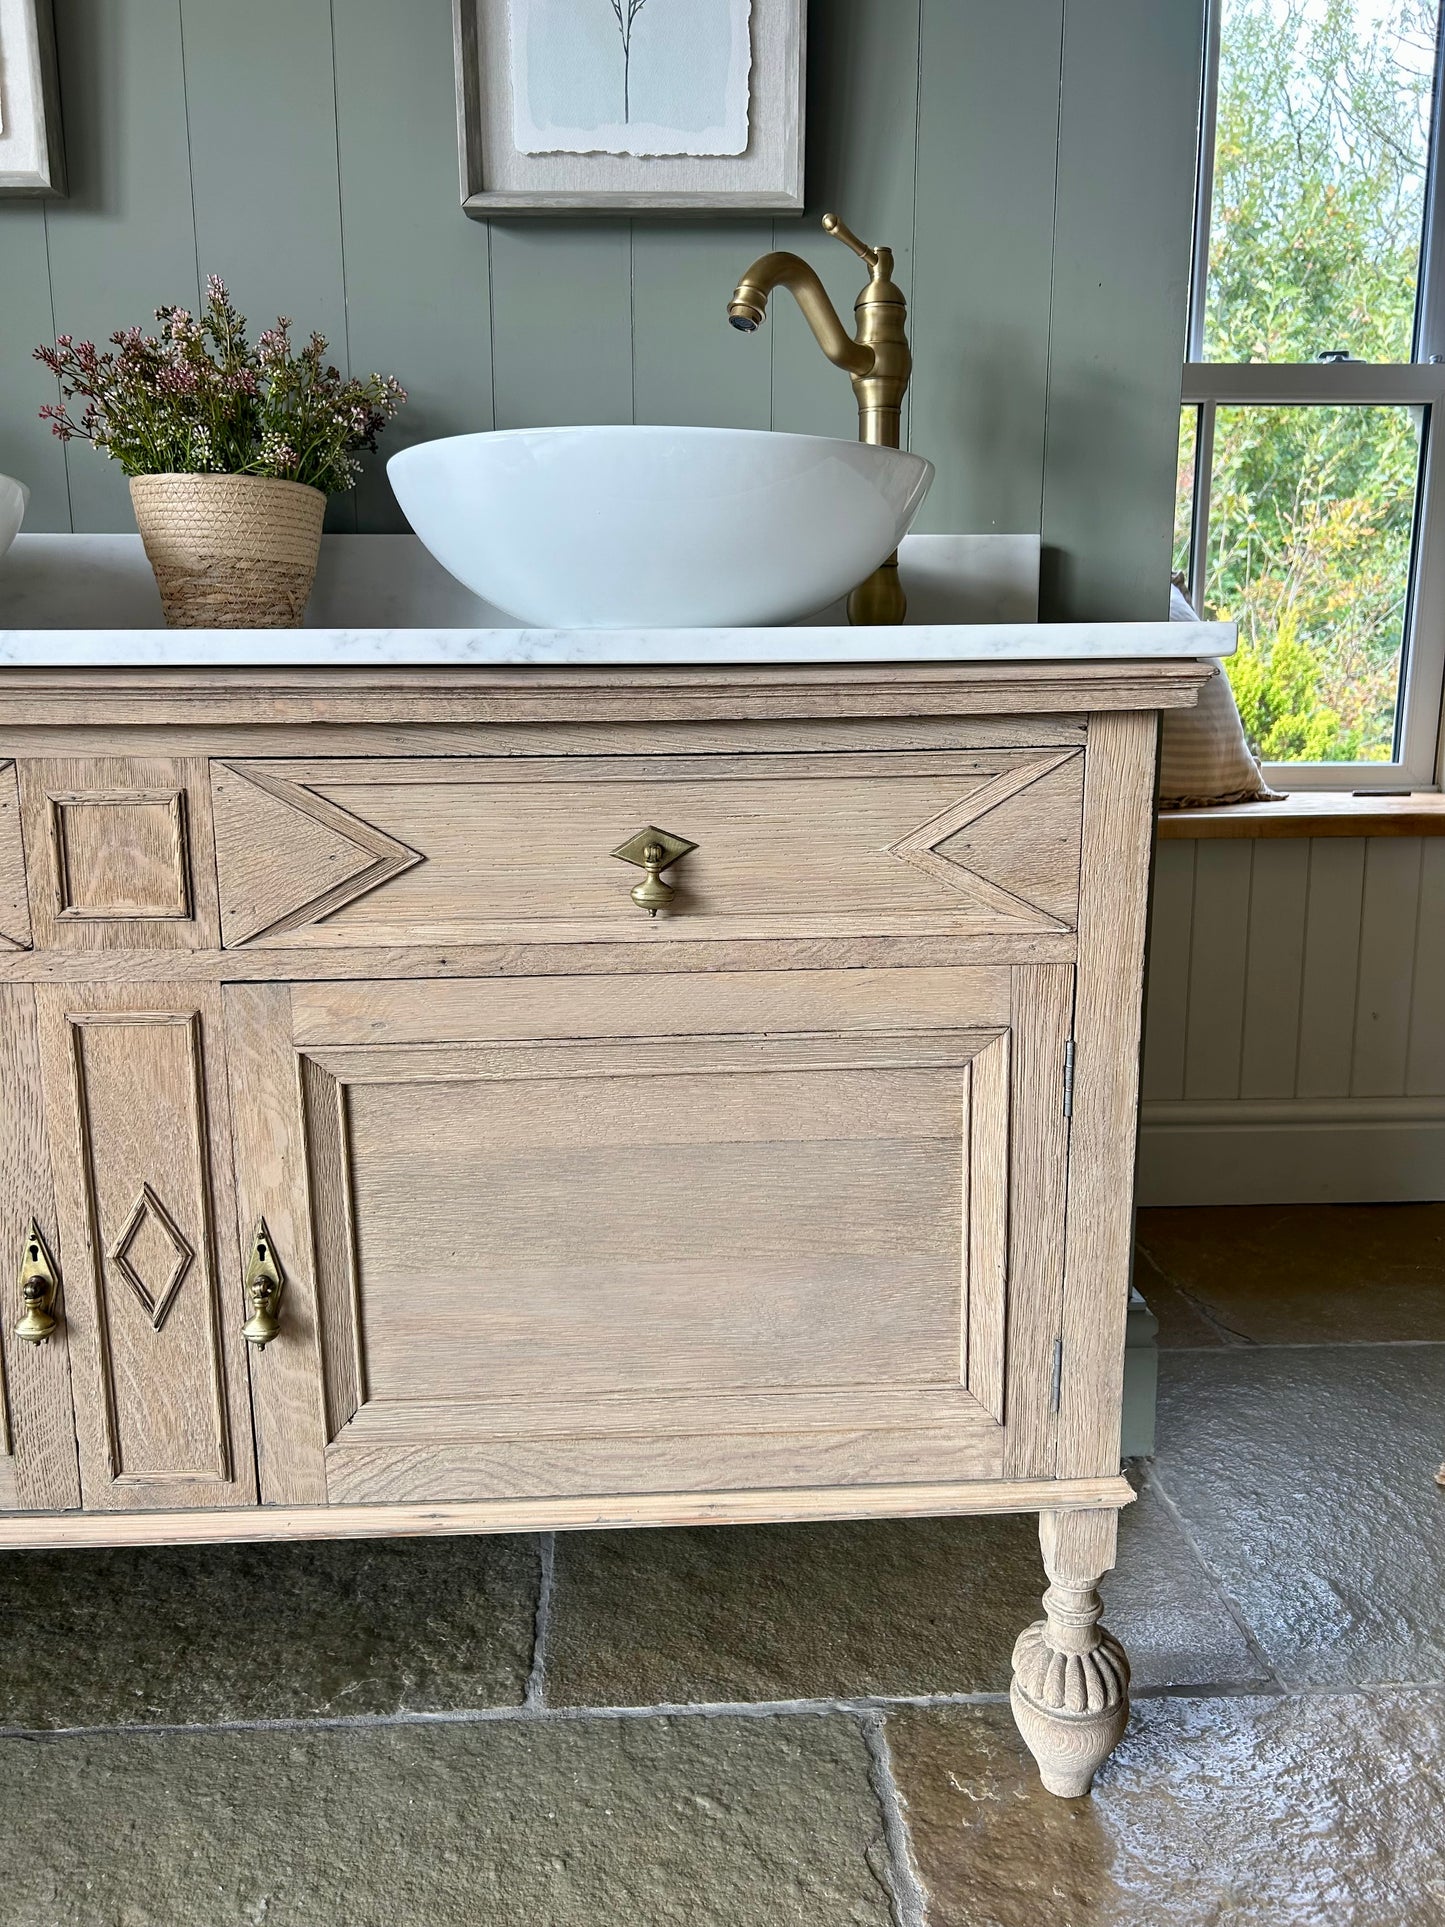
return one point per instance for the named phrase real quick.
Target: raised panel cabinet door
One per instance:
(38, 1467)
(446, 850)
(689, 1233)
(139, 1131)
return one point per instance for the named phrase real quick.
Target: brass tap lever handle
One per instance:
(653, 851)
(39, 1283)
(840, 231)
(265, 1281)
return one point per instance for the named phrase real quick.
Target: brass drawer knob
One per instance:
(265, 1282)
(653, 851)
(38, 1286)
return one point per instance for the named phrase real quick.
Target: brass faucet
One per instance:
(877, 362)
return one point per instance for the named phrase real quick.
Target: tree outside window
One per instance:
(1317, 195)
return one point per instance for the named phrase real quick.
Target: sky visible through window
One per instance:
(1321, 153)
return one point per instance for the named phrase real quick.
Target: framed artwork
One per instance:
(668, 106)
(32, 159)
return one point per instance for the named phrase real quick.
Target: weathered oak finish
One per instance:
(438, 850)
(38, 1469)
(14, 905)
(222, 697)
(1118, 822)
(810, 1199)
(118, 850)
(1070, 1691)
(749, 1229)
(756, 1507)
(286, 1384)
(139, 1133)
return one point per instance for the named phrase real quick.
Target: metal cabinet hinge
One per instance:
(1069, 1078)
(1057, 1392)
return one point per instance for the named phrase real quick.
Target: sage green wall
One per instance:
(1029, 161)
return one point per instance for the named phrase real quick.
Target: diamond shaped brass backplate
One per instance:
(155, 1303)
(672, 847)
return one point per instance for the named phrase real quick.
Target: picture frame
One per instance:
(499, 178)
(32, 154)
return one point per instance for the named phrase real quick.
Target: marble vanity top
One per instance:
(609, 648)
(88, 602)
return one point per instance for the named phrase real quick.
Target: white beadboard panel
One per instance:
(1294, 1048)
(1389, 914)
(1331, 966)
(1219, 953)
(1166, 1006)
(1279, 890)
(1321, 1151)
(1425, 1075)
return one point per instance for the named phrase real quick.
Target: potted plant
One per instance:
(231, 451)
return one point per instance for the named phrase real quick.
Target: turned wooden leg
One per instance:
(1070, 1691)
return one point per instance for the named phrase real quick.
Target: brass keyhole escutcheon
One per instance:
(653, 851)
(265, 1282)
(39, 1283)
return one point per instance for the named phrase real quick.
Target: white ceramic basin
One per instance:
(657, 528)
(13, 497)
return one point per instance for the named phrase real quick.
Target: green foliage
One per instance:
(1318, 199)
(197, 398)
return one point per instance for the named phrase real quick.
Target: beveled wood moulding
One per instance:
(808, 1198)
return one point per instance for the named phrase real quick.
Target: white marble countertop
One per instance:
(608, 648)
(90, 602)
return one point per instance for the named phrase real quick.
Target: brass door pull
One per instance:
(39, 1283)
(654, 851)
(265, 1282)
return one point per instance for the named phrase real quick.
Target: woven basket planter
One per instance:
(230, 551)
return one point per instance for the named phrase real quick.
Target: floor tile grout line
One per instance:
(1232, 1339)
(523, 1715)
(535, 1697)
(519, 1714)
(1161, 1492)
(906, 1898)
(1309, 1345)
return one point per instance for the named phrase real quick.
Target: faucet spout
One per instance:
(876, 360)
(749, 306)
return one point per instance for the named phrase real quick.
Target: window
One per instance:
(1311, 503)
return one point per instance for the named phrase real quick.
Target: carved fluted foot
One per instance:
(1070, 1691)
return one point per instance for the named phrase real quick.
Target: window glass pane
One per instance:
(1321, 147)
(1184, 491)
(1311, 524)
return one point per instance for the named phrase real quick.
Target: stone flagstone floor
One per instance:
(802, 1724)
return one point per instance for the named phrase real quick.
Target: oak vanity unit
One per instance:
(382, 1152)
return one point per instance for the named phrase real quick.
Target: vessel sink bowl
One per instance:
(657, 528)
(13, 497)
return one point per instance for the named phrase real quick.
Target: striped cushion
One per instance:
(1204, 760)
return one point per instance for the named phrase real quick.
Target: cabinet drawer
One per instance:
(428, 850)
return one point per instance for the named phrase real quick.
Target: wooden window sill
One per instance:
(1315, 813)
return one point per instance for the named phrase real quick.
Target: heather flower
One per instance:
(198, 398)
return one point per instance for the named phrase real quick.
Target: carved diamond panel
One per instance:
(942, 848)
(151, 1242)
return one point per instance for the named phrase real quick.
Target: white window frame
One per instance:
(1419, 383)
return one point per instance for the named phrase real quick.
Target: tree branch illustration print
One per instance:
(626, 12)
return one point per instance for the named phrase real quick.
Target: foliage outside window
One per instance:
(1317, 201)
